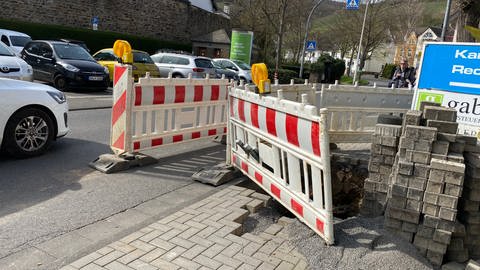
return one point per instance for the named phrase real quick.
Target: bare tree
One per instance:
(405, 16)
(468, 12)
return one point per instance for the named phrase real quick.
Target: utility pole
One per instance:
(357, 63)
(307, 26)
(445, 19)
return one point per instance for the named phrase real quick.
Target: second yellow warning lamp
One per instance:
(122, 49)
(260, 78)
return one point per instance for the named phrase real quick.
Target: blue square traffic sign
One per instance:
(311, 45)
(352, 4)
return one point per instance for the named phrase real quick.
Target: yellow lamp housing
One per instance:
(260, 78)
(122, 49)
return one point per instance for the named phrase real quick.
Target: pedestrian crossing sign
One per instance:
(352, 4)
(311, 45)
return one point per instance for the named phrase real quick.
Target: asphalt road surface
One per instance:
(50, 195)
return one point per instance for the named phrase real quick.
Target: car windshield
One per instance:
(20, 41)
(4, 51)
(141, 57)
(203, 63)
(72, 51)
(242, 64)
(216, 65)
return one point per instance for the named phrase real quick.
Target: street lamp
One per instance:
(357, 63)
(307, 25)
(445, 19)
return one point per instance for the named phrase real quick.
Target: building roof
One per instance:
(219, 36)
(207, 5)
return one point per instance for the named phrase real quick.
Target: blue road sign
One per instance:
(352, 4)
(451, 67)
(311, 45)
(95, 20)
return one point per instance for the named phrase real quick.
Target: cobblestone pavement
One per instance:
(205, 235)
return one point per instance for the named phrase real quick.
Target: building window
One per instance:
(202, 51)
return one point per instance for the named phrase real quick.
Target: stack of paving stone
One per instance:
(457, 251)
(470, 204)
(409, 176)
(383, 151)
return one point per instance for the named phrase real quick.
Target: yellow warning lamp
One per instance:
(260, 78)
(122, 49)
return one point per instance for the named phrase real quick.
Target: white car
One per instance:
(12, 66)
(14, 40)
(32, 115)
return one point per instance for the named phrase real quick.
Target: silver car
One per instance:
(180, 65)
(12, 66)
(241, 68)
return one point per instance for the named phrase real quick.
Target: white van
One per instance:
(15, 40)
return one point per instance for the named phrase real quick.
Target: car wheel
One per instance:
(177, 76)
(28, 133)
(60, 83)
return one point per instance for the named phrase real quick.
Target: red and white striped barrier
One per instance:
(283, 146)
(156, 112)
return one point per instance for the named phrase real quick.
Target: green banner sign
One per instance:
(241, 46)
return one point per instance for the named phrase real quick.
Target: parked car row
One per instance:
(68, 64)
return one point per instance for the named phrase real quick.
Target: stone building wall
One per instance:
(173, 20)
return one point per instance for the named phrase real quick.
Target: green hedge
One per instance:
(284, 76)
(388, 71)
(95, 40)
(332, 69)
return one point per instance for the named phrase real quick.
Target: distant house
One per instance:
(214, 44)
(411, 49)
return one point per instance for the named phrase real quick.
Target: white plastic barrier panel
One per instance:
(283, 146)
(156, 112)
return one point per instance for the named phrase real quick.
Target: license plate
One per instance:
(95, 78)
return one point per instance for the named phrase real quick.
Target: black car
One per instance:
(66, 65)
(219, 71)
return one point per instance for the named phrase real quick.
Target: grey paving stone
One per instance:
(117, 266)
(164, 265)
(86, 260)
(153, 254)
(106, 259)
(162, 244)
(230, 261)
(130, 257)
(186, 263)
(140, 265)
(193, 252)
(121, 246)
(173, 253)
(207, 262)
(142, 245)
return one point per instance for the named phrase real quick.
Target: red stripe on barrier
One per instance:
(177, 138)
(117, 73)
(271, 127)
(119, 107)
(156, 142)
(195, 135)
(158, 94)
(212, 132)
(198, 96)
(320, 226)
(136, 145)
(138, 95)
(245, 166)
(291, 124)
(259, 177)
(241, 110)
(254, 114)
(275, 190)
(120, 142)
(234, 159)
(179, 93)
(215, 92)
(225, 130)
(297, 207)
(315, 137)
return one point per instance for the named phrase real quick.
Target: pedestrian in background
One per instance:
(403, 76)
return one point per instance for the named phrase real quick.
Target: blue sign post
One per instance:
(311, 45)
(95, 21)
(352, 4)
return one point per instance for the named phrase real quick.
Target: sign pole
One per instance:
(307, 25)
(357, 63)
